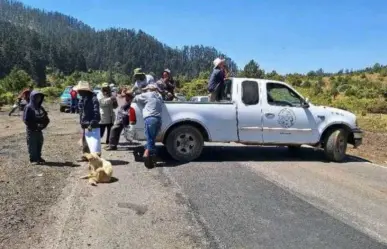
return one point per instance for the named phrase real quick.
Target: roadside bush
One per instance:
(7, 98)
(51, 92)
(380, 106)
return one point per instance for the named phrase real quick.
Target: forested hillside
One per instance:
(54, 50)
(32, 40)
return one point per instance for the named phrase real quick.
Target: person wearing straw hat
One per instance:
(216, 82)
(89, 115)
(150, 101)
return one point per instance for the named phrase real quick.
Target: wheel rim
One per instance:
(185, 143)
(341, 145)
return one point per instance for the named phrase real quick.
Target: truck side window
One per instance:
(227, 89)
(281, 95)
(250, 95)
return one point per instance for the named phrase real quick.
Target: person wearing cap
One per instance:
(107, 104)
(167, 85)
(89, 115)
(216, 82)
(122, 120)
(141, 80)
(150, 101)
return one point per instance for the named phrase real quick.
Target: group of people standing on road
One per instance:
(98, 113)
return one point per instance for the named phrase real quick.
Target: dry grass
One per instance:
(373, 122)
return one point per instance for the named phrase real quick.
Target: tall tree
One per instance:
(252, 70)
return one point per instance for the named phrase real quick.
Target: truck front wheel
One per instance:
(335, 145)
(185, 143)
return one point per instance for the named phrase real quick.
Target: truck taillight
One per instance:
(132, 116)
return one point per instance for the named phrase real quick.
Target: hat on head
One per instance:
(138, 71)
(105, 85)
(217, 61)
(83, 86)
(167, 71)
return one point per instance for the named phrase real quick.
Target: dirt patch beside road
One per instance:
(26, 192)
(374, 148)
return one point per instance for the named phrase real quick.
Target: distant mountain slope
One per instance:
(33, 39)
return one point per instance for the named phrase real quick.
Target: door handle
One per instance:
(269, 115)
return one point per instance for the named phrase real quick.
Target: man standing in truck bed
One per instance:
(216, 82)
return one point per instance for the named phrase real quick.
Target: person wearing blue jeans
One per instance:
(152, 128)
(151, 103)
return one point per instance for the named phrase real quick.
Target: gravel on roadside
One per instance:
(27, 192)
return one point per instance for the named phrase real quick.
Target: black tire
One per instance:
(335, 145)
(62, 109)
(192, 147)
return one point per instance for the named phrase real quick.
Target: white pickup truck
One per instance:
(255, 112)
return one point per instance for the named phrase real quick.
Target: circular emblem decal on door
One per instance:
(286, 118)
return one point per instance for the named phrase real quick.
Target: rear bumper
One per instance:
(357, 137)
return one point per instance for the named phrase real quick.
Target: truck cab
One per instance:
(254, 112)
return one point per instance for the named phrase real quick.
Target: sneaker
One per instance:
(41, 160)
(148, 162)
(34, 163)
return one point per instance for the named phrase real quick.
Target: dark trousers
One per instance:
(108, 127)
(115, 135)
(152, 128)
(74, 106)
(35, 144)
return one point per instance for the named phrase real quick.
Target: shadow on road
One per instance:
(118, 162)
(61, 164)
(254, 153)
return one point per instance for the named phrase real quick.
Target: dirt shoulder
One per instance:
(26, 191)
(374, 148)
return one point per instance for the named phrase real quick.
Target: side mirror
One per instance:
(306, 103)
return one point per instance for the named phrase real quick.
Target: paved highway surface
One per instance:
(232, 197)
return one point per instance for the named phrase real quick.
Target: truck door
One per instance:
(249, 112)
(286, 119)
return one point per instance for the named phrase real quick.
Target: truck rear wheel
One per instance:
(335, 145)
(185, 143)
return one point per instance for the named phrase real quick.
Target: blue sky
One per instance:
(285, 35)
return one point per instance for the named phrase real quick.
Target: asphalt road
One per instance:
(232, 197)
(248, 197)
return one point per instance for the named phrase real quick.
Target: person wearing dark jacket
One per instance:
(36, 119)
(89, 116)
(216, 82)
(122, 120)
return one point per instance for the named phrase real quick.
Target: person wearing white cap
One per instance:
(151, 104)
(216, 82)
